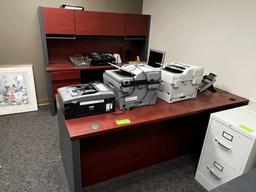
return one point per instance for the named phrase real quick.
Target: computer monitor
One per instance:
(156, 58)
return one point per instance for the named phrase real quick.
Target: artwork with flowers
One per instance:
(17, 90)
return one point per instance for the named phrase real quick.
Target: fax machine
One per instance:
(179, 82)
(85, 99)
(134, 85)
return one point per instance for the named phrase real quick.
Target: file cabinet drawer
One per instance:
(228, 144)
(215, 171)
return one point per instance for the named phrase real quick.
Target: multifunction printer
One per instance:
(86, 99)
(134, 84)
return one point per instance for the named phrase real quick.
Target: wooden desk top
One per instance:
(205, 102)
(71, 67)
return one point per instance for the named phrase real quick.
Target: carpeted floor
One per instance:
(31, 162)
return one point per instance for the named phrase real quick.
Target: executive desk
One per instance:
(156, 133)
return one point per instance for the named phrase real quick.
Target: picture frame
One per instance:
(17, 89)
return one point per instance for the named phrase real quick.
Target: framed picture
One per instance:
(17, 89)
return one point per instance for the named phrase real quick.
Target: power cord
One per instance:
(146, 84)
(123, 96)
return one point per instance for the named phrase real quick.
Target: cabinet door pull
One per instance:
(216, 175)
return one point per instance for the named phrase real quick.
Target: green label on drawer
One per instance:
(123, 121)
(248, 129)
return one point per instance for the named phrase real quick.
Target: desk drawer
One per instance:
(57, 76)
(228, 144)
(215, 171)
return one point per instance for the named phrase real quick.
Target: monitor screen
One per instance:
(156, 58)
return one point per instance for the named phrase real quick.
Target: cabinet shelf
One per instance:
(135, 38)
(60, 37)
(71, 67)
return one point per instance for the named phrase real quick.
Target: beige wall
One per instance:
(219, 35)
(20, 37)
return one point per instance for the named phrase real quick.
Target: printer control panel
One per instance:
(83, 89)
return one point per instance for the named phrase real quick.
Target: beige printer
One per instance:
(133, 85)
(179, 82)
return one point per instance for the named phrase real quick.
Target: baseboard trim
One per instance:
(42, 102)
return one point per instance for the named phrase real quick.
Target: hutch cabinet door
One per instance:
(137, 25)
(59, 21)
(113, 24)
(88, 23)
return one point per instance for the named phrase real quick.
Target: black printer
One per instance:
(85, 99)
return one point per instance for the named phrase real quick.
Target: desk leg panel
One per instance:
(70, 153)
(49, 91)
(118, 153)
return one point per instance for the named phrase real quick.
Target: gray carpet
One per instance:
(31, 162)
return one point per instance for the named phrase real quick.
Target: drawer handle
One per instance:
(223, 145)
(216, 175)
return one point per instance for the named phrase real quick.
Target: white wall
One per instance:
(20, 36)
(219, 35)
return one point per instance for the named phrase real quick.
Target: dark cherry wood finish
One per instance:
(59, 50)
(113, 24)
(59, 21)
(118, 153)
(69, 22)
(137, 25)
(157, 133)
(88, 23)
(56, 76)
(81, 127)
(64, 78)
(71, 67)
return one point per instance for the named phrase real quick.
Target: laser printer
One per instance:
(179, 82)
(85, 99)
(133, 84)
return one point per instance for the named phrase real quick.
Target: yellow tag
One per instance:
(123, 121)
(248, 129)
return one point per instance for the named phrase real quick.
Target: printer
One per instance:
(134, 84)
(85, 99)
(179, 82)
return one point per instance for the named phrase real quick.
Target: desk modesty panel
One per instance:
(156, 133)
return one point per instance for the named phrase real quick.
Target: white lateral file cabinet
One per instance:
(229, 148)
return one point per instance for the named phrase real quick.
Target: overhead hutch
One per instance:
(69, 32)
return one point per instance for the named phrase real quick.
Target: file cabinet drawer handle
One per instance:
(223, 145)
(217, 176)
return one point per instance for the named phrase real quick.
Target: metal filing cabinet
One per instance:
(229, 148)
